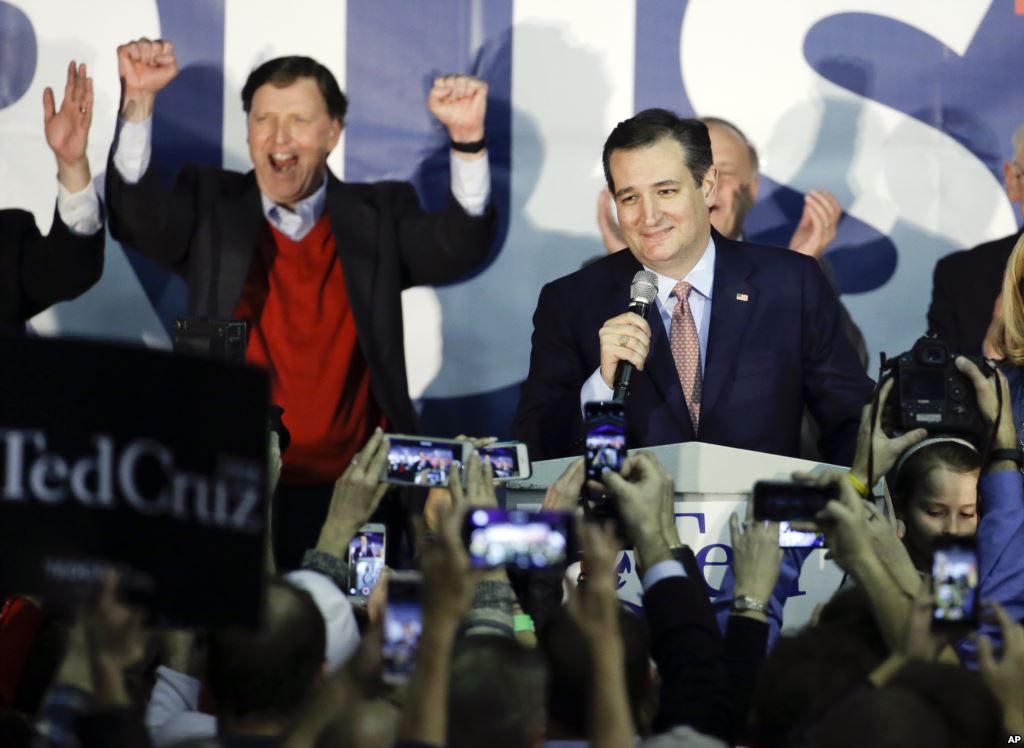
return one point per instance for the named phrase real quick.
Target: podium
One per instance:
(711, 483)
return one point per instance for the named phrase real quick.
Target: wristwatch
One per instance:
(744, 603)
(1012, 455)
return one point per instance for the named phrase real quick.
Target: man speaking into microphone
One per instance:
(738, 339)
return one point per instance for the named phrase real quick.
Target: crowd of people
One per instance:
(746, 346)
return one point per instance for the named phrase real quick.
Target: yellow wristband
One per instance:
(858, 485)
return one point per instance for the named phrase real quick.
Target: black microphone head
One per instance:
(644, 287)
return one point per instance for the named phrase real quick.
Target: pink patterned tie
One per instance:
(686, 350)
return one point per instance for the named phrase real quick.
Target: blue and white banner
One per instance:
(904, 110)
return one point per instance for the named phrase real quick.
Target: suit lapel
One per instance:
(354, 224)
(732, 303)
(242, 224)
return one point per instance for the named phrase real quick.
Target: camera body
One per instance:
(931, 393)
(222, 339)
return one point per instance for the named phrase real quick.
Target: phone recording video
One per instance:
(955, 582)
(529, 540)
(509, 460)
(785, 501)
(605, 436)
(418, 461)
(366, 555)
(790, 538)
(403, 624)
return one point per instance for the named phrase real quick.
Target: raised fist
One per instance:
(459, 102)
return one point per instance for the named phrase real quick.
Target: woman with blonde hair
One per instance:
(1006, 333)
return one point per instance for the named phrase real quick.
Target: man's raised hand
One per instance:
(145, 67)
(459, 102)
(67, 128)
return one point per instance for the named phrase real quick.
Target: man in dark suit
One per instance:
(37, 271)
(966, 283)
(756, 334)
(314, 265)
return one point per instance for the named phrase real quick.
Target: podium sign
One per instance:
(711, 483)
(141, 460)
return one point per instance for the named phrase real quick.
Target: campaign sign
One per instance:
(144, 461)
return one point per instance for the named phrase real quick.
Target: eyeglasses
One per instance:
(1018, 170)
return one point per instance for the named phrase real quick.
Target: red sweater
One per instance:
(301, 329)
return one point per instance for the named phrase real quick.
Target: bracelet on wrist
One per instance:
(474, 147)
(858, 485)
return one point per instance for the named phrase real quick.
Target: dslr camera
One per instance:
(931, 393)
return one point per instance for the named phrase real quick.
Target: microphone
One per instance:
(641, 293)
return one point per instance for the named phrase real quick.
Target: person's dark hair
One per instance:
(652, 125)
(880, 718)
(15, 729)
(755, 162)
(571, 672)
(269, 672)
(802, 677)
(496, 693)
(915, 473)
(970, 711)
(850, 608)
(283, 71)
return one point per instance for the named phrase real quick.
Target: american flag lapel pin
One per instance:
(742, 297)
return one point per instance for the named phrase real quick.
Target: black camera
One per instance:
(931, 393)
(222, 339)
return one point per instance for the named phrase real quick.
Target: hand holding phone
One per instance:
(605, 425)
(423, 461)
(508, 460)
(403, 624)
(790, 503)
(366, 554)
(955, 582)
(530, 540)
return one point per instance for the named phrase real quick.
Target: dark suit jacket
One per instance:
(208, 227)
(767, 356)
(686, 645)
(964, 290)
(37, 271)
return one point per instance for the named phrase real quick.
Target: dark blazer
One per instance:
(37, 271)
(964, 290)
(775, 342)
(209, 225)
(687, 647)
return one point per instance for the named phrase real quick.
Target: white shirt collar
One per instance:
(295, 224)
(701, 276)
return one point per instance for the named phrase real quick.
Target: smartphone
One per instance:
(955, 582)
(403, 624)
(509, 460)
(366, 560)
(421, 461)
(530, 540)
(790, 538)
(785, 501)
(605, 425)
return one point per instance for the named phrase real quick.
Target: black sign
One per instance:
(143, 460)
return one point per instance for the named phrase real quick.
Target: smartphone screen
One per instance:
(366, 553)
(529, 540)
(421, 462)
(508, 460)
(403, 624)
(605, 437)
(784, 501)
(790, 538)
(955, 581)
